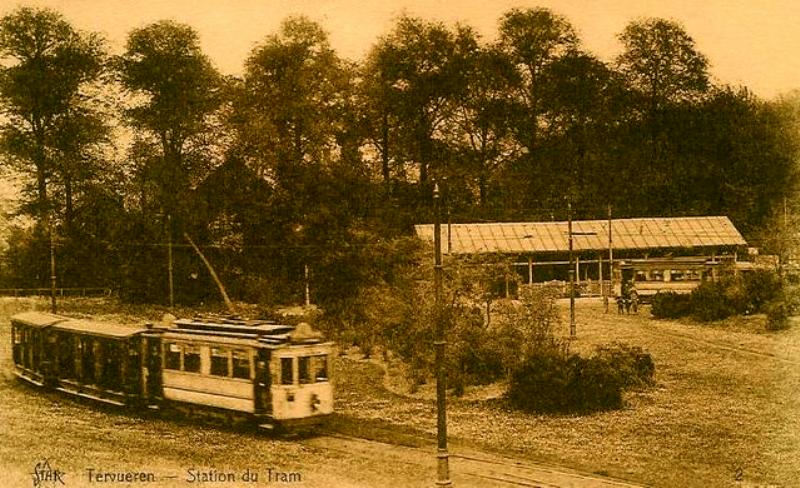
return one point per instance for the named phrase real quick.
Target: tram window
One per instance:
(219, 361)
(17, 335)
(320, 367)
(241, 364)
(287, 375)
(657, 275)
(191, 359)
(303, 369)
(676, 275)
(172, 356)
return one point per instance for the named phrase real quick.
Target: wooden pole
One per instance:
(53, 307)
(572, 330)
(307, 289)
(600, 275)
(169, 263)
(610, 260)
(442, 456)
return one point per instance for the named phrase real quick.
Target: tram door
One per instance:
(133, 368)
(262, 383)
(153, 368)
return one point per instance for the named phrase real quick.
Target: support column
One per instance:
(530, 270)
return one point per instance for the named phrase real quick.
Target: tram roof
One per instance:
(91, 327)
(588, 235)
(37, 319)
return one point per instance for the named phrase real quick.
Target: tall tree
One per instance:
(533, 39)
(666, 75)
(661, 62)
(48, 64)
(421, 69)
(294, 114)
(479, 124)
(296, 90)
(175, 90)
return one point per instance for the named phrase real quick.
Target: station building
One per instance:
(539, 251)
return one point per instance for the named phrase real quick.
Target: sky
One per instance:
(755, 43)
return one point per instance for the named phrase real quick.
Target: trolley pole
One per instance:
(571, 275)
(443, 468)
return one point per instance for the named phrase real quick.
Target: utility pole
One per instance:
(443, 468)
(169, 263)
(307, 294)
(571, 276)
(610, 258)
(53, 307)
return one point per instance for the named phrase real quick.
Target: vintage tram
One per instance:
(647, 277)
(272, 375)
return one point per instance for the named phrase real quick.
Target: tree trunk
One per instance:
(68, 208)
(385, 151)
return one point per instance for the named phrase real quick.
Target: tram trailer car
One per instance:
(269, 374)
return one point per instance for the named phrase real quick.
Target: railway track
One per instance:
(467, 468)
(658, 329)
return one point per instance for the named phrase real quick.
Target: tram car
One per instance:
(272, 375)
(647, 277)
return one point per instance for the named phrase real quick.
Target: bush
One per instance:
(634, 366)
(553, 380)
(671, 305)
(761, 287)
(777, 314)
(710, 302)
(542, 382)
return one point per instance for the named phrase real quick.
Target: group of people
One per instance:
(628, 299)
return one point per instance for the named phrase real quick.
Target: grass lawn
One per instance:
(725, 410)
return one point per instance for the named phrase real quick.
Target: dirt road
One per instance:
(468, 468)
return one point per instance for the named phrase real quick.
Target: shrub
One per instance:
(709, 302)
(634, 366)
(542, 382)
(671, 305)
(761, 287)
(595, 385)
(777, 314)
(553, 380)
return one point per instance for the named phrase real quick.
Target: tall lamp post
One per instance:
(443, 468)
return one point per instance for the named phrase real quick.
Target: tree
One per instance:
(420, 68)
(533, 39)
(175, 91)
(294, 114)
(661, 62)
(480, 128)
(50, 64)
(583, 102)
(666, 76)
(295, 93)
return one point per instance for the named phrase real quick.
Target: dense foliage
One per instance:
(760, 291)
(311, 169)
(556, 381)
